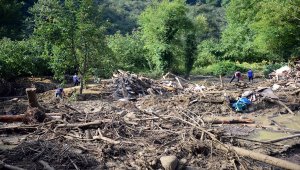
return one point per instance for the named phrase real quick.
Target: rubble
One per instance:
(190, 121)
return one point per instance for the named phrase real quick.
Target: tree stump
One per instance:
(32, 99)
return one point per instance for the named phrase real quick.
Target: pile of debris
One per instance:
(185, 128)
(132, 86)
(287, 73)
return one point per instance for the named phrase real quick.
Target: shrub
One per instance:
(224, 68)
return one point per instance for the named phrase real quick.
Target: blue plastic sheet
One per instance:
(241, 104)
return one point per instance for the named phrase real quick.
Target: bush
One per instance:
(224, 68)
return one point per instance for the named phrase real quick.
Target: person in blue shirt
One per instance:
(59, 92)
(250, 75)
(76, 80)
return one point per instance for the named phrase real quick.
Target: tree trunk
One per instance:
(32, 99)
(221, 80)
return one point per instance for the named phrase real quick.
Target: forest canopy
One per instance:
(96, 37)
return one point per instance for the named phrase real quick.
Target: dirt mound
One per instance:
(59, 156)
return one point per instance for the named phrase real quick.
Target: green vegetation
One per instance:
(96, 37)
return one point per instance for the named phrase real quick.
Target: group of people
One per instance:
(59, 92)
(239, 77)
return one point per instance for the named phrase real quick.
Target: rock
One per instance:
(169, 162)
(183, 161)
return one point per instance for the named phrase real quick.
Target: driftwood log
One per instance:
(30, 116)
(260, 157)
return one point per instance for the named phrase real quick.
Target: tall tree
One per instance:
(161, 24)
(276, 27)
(90, 37)
(71, 33)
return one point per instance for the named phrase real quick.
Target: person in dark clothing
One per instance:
(237, 75)
(250, 75)
(76, 80)
(59, 92)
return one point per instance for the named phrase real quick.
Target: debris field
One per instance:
(134, 122)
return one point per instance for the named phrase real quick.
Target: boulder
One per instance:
(169, 162)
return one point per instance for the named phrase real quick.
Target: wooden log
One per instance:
(85, 125)
(260, 157)
(243, 152)
(10, 167)
(233, 121)
(281, 104)
(46, 165)
(31, 115)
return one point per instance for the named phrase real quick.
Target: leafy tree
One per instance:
(207, 53)
(18, 58)
(198, 26)
(71, 34)
(276, 27)
(161, 24)
(261, 30)
(90, 38)
(237, 38)
(129, 51)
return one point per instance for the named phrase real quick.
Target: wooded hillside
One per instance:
(96, 37)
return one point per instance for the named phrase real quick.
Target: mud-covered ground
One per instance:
(97, 131)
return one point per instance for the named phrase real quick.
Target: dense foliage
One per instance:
(96, 37)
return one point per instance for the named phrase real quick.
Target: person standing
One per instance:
(250, 75)
(75, 80)
(237, 75)
(59, 92)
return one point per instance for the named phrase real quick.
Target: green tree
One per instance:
(197, 27)
(129, 52)
(90, 38)
(71, 34)
(18, 58)
(237, 38)
(161, 24)
(276, 27)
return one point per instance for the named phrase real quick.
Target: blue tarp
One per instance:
(241, 104)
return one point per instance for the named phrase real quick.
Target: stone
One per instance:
(169, 162)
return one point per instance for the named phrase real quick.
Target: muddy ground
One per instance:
(96, 130)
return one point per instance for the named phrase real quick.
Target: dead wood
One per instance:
(72, 108)
(32, 98)
(10, 167)
(208, 101)
(46, 165)
(260, 157)
(221, 80)
(243, 152)
(279, 103)
(282, 139)
(18, 128)
(179, 83)
(296, 92)
(30, 116)
(233, 121)
(85, 125)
